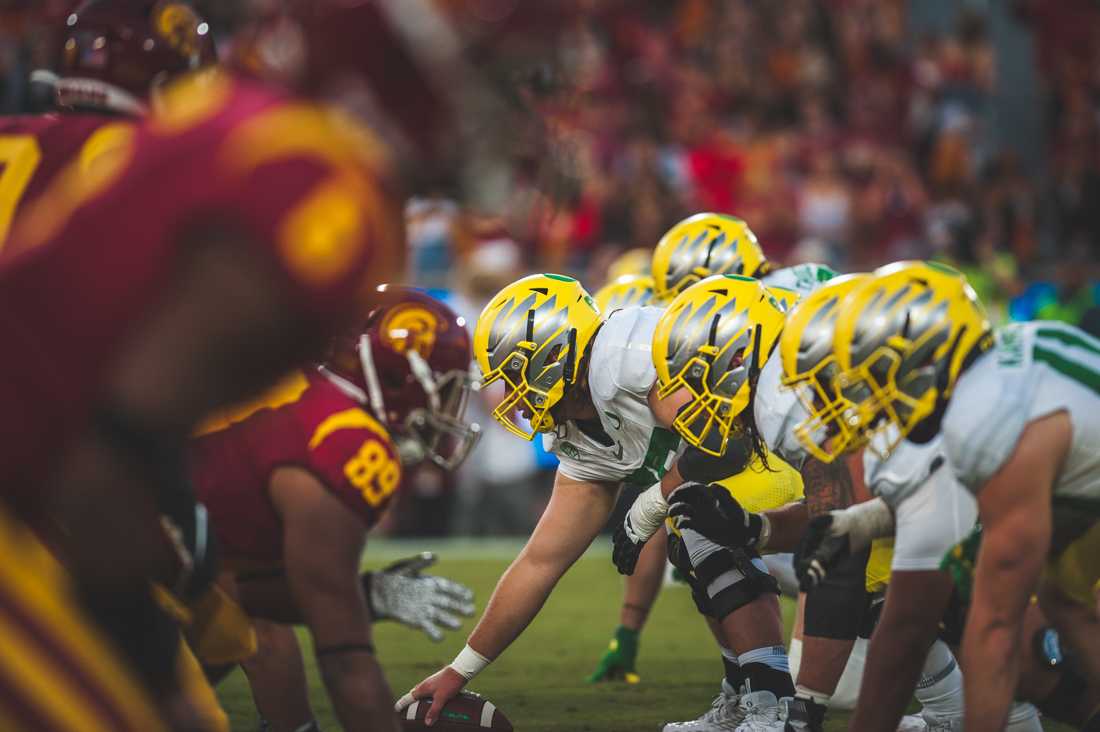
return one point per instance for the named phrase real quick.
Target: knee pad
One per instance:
(739, 578)
(838, 607)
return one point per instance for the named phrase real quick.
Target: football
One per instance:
(467, 711)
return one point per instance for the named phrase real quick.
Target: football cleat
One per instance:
(914, 723)
(724, 715)
(763, 712)
(804, 715)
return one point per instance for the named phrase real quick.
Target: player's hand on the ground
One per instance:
(617, 662)
(711, 511)
(440, 687)
(422, 601)
(626, 547)
(642, 520)
(823, 545)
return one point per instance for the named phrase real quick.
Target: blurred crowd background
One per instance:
(847, 132)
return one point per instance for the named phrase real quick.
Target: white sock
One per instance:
(1023, 717)
(794, 656)
(771, 656)
(846, 693)
(940, 689)
(730, 655)
(815, 696)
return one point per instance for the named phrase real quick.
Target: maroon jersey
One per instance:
(316, 427)
(96, 251)
(35, 149)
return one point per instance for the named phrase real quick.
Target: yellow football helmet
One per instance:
(631, 262)
(703, 245)
(901, 341)
(785, 296)
(626, 291)
(809, 365)
(533, 336)
(712, 340)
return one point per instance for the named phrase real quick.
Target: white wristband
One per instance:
(765, 531)
(864, 522)
(469, 663)
(648, 511)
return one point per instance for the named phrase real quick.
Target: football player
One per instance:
(917, 357)
(619, 661)
(701, 245)
(113, 59)
(709, 347)
(241, 225)
(764, 490)
(293, 489)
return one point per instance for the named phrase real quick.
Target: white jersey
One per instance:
(776, 408)
(625, 444)
(777, 411)
(905, 468)
(802, 278)
(1034, 370)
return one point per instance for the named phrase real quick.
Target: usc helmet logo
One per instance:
(411, 328)
(178, 24)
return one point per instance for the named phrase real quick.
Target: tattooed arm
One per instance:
(828, 486)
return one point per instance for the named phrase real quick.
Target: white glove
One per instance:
(425, 602)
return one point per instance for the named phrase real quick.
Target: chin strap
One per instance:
(423, 374)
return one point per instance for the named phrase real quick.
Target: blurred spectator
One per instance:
(834, 129)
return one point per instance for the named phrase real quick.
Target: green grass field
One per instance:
(539, 682)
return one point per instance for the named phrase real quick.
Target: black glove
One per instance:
(711, 511)
(820, 550)
(626, 547)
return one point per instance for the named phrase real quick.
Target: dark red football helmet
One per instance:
(114, 54)
(409, 364)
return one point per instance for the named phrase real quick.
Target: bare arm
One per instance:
(1014, 506)
(323, 543)
(788, 523)
(828, 486)
(576, 513)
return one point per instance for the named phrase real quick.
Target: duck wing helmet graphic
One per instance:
(711, 342)
(901, 340)
(532, 337)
